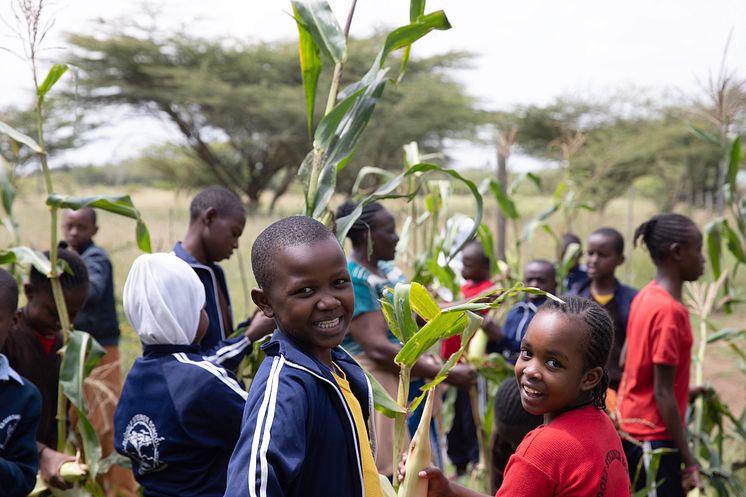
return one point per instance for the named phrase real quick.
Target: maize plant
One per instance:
(400, 305)
(80, 353)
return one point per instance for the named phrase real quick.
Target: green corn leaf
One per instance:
(371, 171)
(7, 190)
(442, 326)
(487, 240)
(82, 353)
(416, 9)
(726, 334)
(26, 255)
(318, 19)
(20, 137)
(714, 243)
(504, 202)
(706, 136)
(382, 401)
(121, 205)
(734, 163)
(330, 123)
(733, 242)
(390, 317)
(530, 227)
(403, 311)
(91, 444)
(406, 35)
(422, 303)
(473, 323)
(310, 66)
(54, 74)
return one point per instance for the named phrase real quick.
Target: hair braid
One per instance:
(661, 230)
(363, 224)
(599, 337)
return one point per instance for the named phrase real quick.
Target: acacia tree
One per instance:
(240, 107)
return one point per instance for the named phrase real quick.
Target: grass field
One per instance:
(166, 214)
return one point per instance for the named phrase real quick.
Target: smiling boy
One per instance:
(304, 426)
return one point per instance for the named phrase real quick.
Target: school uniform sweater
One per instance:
(178, 420)
(28, 357)
(99, 314)
(216, 346)
(298, 436)
(578, 454)
(20, 406)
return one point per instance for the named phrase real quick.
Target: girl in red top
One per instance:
(654, 390)
(561, 375)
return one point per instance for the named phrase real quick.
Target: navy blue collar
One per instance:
(169, 348)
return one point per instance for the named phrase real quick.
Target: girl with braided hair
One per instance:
(654, 390)
(561, 375)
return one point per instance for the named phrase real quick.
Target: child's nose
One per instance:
(328, 301)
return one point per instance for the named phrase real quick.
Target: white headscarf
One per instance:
(163, 298)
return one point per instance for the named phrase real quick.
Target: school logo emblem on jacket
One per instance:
(141, 441)
(7, 427)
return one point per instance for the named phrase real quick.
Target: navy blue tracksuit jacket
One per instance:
(298, 437)
(178, 420)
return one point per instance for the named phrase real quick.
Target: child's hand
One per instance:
(438, 485)
(690, 480)
(461, 376)
(259, 327)
(50, 462)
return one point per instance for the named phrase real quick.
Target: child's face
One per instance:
(78, 228)
(6, 320)
(311, 296)
(221, 233)
(41, 313)
(602, 257)
(476, 266)
(550, 369)
(383, 236)
(541, 276)
(689, 256)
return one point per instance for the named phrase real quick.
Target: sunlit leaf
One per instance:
(310, 66)
(422, 303)
(120, 204)
(20, 137)
(504, 202)
(442, 326)
(26, 255)
(82, 353)
(319, 20)
(54, 74)
(406, 35)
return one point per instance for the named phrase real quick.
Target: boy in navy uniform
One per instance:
(604, 254)
(99, 318)
(20, 407)
(216, 222)
(304, 430)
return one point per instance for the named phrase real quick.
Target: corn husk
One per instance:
(73, 471)
(477, 346)
(40, 489)
(420, 455)
(386, 488)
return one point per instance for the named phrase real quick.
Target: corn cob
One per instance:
(419, 456)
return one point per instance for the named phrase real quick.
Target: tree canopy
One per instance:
(240, 106)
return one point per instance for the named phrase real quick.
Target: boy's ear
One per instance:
(209, 215)
(260, 299)
(620, 259)
(591, 378)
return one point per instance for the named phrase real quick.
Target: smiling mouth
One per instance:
(328, 323)
(531, 392)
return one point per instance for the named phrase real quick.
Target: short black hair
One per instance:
(548, 265)
(599, 337)
(363, 224)
(74, 277)
(509, 410)
(224, 201)
(617, 240)
(661, 230)
(569, 238)
(8, 292)
(88, 210)
(477, 243)
(287, 232)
